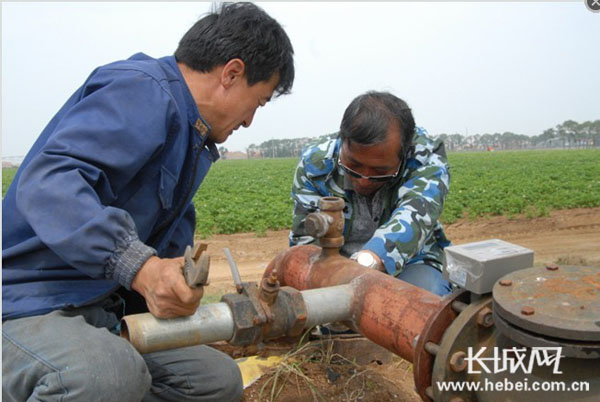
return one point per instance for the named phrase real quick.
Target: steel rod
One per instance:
(237, 280)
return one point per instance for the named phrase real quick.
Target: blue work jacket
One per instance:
(108, 183)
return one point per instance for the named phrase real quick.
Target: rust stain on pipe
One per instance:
(391, 312)
(388, 311)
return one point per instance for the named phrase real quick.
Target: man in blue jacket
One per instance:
(98, 216)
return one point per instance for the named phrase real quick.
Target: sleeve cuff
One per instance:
(126, 262)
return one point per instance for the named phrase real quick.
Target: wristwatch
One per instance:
(365, 259)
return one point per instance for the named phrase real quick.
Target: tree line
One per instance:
(568, 134)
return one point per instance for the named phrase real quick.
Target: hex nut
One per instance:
(247, 327)
(458, 362)
(485, 318)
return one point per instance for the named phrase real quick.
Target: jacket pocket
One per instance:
(166, 188)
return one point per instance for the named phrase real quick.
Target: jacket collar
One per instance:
(194, 117)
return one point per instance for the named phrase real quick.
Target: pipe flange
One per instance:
(577, 349)
(289, 315)
(470, 328)
(556, 302)
(297, 313)
(432, 332)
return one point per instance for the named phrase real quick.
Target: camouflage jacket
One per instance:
(413, 202)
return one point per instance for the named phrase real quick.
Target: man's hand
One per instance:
(160, 281)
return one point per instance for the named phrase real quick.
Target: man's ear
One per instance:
(233, 71)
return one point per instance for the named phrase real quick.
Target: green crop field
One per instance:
(245, 196)
(522, 182)
(7, 177)
(254, 195)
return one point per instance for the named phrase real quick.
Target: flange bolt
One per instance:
(457, 361)
(485, 318)
(527, 310)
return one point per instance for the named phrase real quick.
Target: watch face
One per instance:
(366, 259)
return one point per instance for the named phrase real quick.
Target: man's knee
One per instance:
(93, 365)
(196, 373)
(232, 387)
(426, 277)
(223, 382)
(108, 372)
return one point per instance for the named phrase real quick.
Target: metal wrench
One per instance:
(196, 265)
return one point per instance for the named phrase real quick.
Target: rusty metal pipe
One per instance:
(388, 311)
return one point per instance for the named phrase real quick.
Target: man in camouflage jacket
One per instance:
(393, 184)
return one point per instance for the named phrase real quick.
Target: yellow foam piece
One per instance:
(253, 367)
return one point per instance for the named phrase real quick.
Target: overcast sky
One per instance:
(471, 68)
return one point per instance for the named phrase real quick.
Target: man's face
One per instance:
(237, 105)
(372, 160)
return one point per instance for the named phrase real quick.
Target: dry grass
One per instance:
(294, 370)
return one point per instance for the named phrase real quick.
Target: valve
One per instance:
(327, 225)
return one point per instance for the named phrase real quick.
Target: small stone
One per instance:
(332, 375)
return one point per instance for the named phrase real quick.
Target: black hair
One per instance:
(244, 31)
(367, 119)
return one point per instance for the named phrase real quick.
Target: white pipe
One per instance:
(210, 323)
(330, 304)
(214, 322)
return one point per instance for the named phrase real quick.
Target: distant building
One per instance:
(235, 155)
(12, 161)
(551, 143)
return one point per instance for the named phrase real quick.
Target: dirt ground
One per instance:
(338, 381)
(568, 237)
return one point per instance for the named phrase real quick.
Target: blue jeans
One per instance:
(70, 355)
(426, 277)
